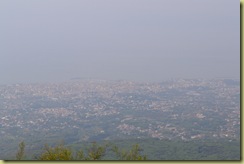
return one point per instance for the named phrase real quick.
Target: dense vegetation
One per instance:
(94, 152)
(127, 150)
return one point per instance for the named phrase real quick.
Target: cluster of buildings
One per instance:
(184, 108)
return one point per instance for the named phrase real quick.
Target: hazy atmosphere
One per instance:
(142, 40)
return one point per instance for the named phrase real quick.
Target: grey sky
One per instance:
(144, 40)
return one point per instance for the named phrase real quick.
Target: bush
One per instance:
(94, 152)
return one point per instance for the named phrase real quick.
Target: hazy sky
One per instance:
(144, 40)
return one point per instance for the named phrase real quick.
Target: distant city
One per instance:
(93, 110)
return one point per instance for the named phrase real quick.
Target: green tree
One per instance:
(21, 151)
(96, 152)
(133, 154)
(93, 152)
(56, 153)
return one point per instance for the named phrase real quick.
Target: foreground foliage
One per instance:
(94, 152)
(20, 153)
(218, 149)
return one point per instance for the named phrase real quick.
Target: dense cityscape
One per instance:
(93, 110)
